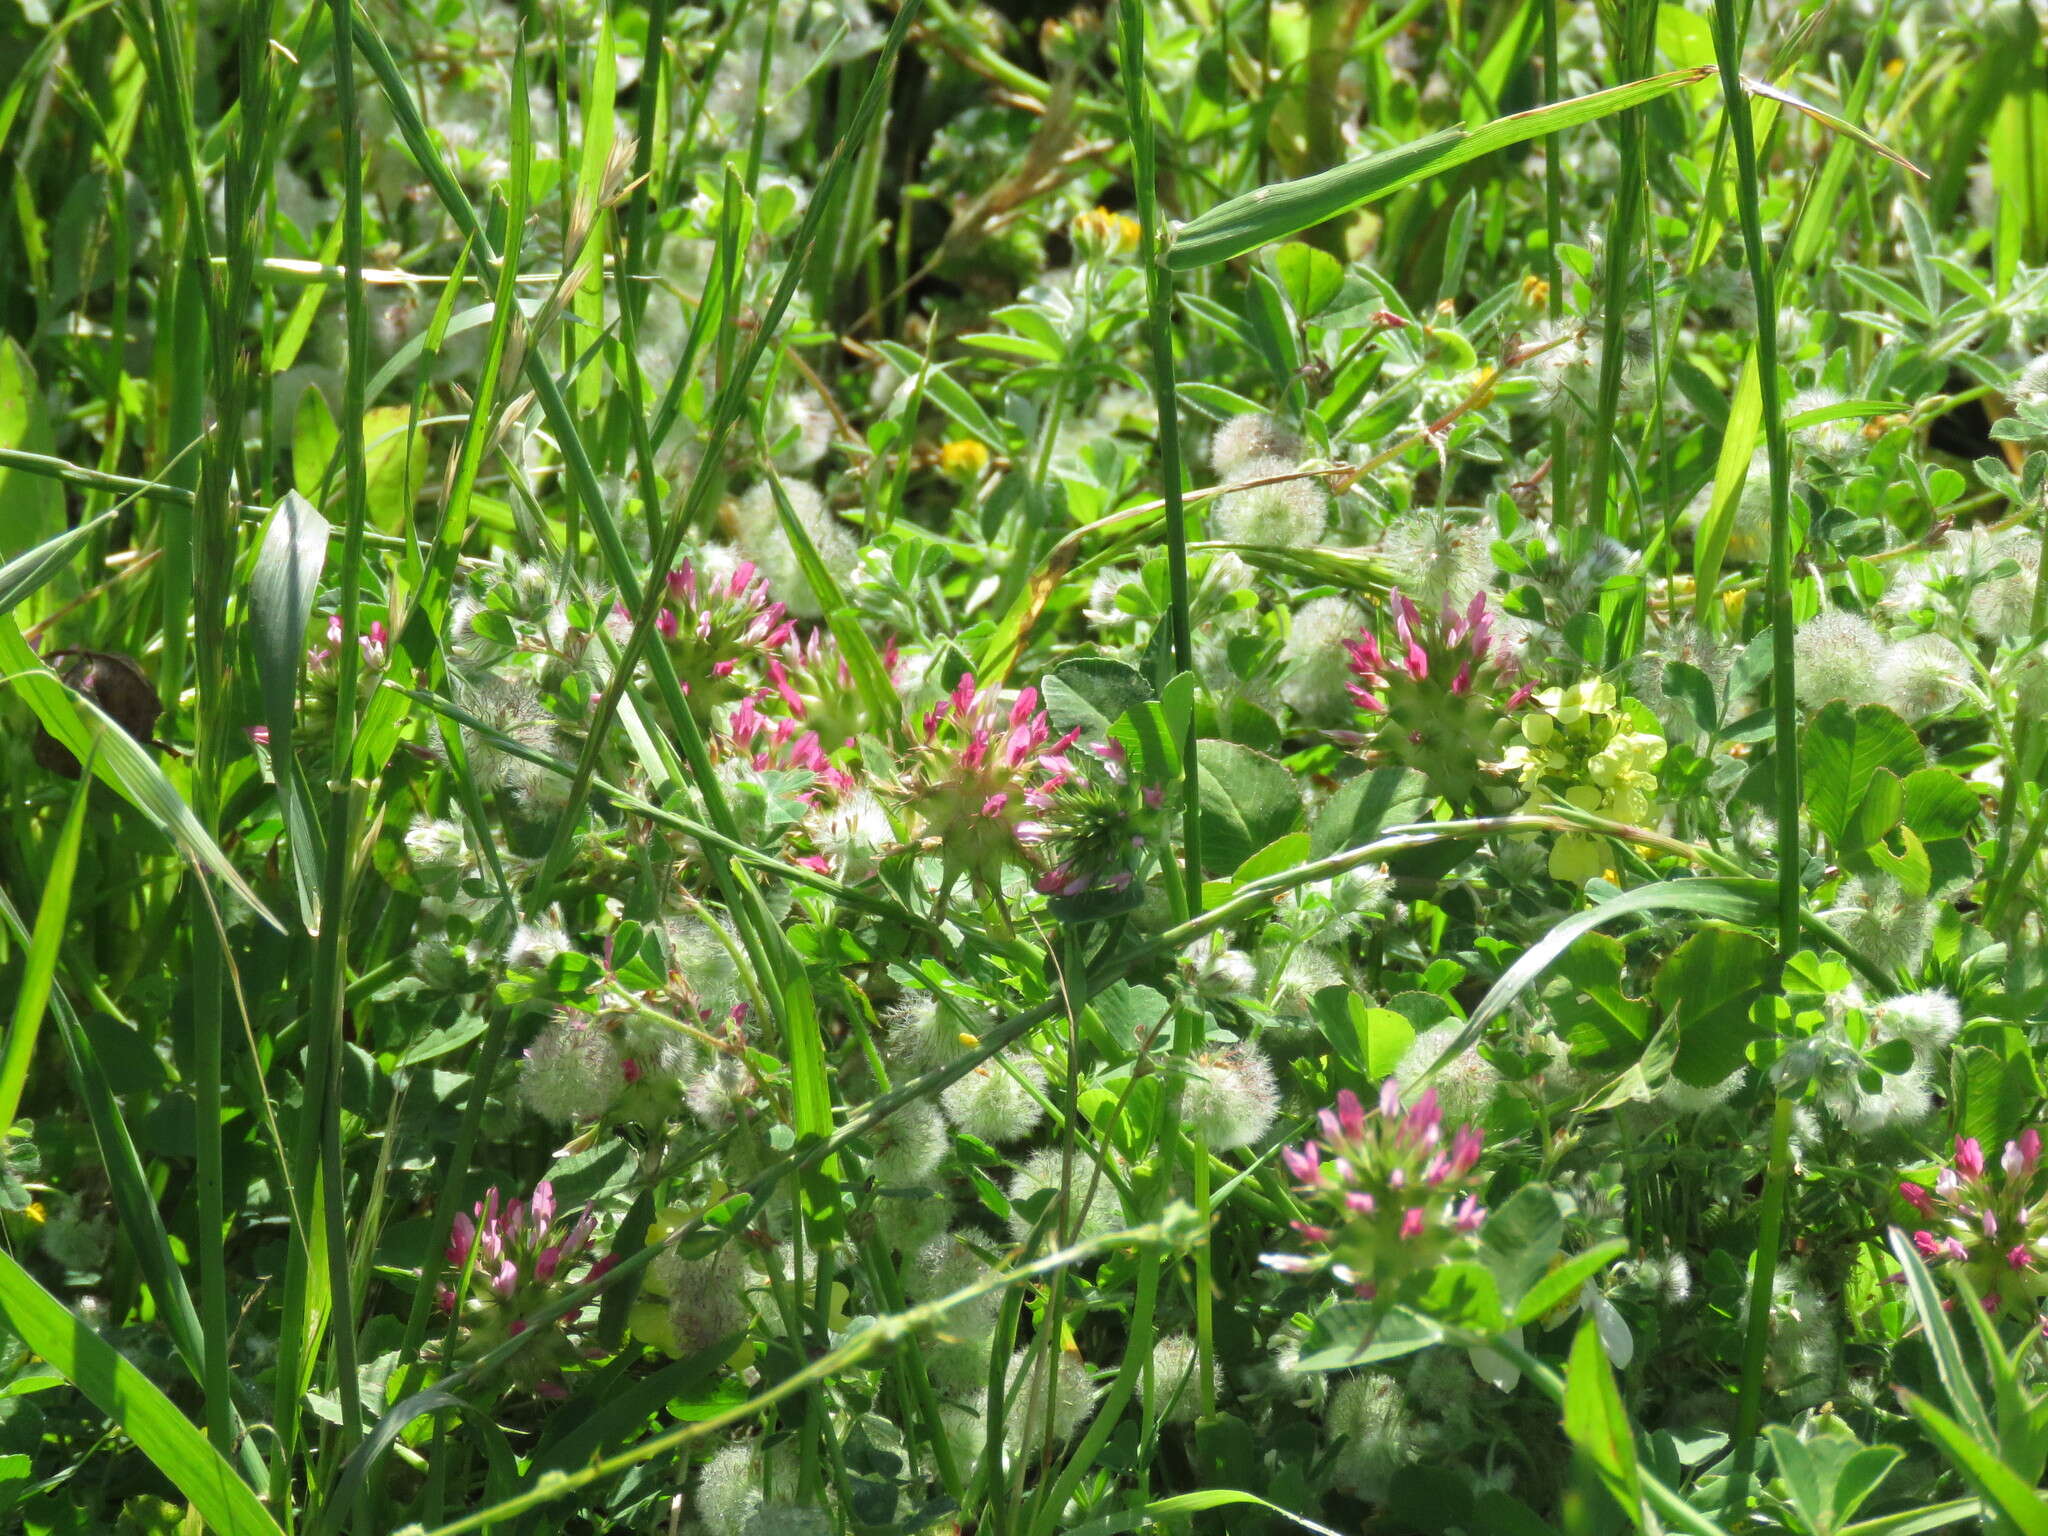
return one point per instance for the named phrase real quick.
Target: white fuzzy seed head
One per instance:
(990, 1103)
(1046, 1403)
(572, 1071)
(1229, 1098)
(436, 847)
(1438, 559)
(1925, 1020)
(1287, 514)
(2030, 385)
(909, 1145)
(1884, 919)
(1174, 1380)
(1245, 439)
(925, 1030)
(729, 1489)
(1468, 1082)
(1092, 1205)
(1838, 655)
(758, 530)
(1315, 667)
(1921, 676)
(1835, 441)
(1370, 1414)
(853, 833)
(707, 1297)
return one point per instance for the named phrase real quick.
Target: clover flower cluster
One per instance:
(511, 1258)
(713, 625)
(968, 775)
(1994, 1224)
(1584, 746)
(1394, 1199)
(1436, 693)
(1093, 822)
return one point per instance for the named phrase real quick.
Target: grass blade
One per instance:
(44, 942)
(126, 1396)
(119, 760)
(1286, 208)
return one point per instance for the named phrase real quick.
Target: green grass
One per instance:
(878, 651)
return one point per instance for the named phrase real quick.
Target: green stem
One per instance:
(1764, 1274)
(1728, 54)
(1159, 307)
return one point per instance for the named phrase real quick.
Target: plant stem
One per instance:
(1728, 54)
(1159, 307)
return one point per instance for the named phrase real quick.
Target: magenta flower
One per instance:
(1993, 1224)
(1436, 694)
(721, 633)
(510, 1259)
(1390, 1196)
(971, 768)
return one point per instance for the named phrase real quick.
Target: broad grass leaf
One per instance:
(156, 1426)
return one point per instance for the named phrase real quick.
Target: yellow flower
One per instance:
(964, 456)
(1100, 233)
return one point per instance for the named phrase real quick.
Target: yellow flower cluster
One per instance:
(963, 456)
(1584, 746)
(1103, 234)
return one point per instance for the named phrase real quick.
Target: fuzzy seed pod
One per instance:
(993, 1105)
(1093, 1208)
(1838, 655)
(1316, 669)
(1245, 439)
(908, 1146)
(1921, 676)
(1468, 1082)
(757, 528)
(1175, 1382)
(1228, 1099)
(1287, 514)
(572, 1071)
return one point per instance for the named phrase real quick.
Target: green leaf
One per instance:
(1706, 989)
(1365, 806)
(1219, 1498)
(1371, 1041)
(31, 506)
(281, 591)
(1687, 683)
(1520, 1239)
(1845, 757)
(1604, 1026)
(395, 464)
(29, 570)
(1995, 1483)
(1597, 1425)
(133, 1402)
(1346, 1334)
(1286, 208)
(315, 442)
(1247, 801)
(1724, 896)
(119, 760)
(1564, 1282)
(1092, 692)
(1311, 278)
(1939, 803)
(32, 994)
(1830, 1474)
(1941, 1338)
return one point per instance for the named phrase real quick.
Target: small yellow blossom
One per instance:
(964, 456)
(1104, 235)
(1535, 291)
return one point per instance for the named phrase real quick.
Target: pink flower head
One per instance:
(1916, 1195)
